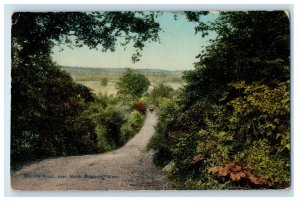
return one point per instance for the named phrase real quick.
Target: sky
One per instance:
(178, 47)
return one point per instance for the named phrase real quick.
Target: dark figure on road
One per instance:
(151, 109)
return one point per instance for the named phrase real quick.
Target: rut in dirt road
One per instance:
(127, 168)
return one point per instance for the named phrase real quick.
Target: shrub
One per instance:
(112, 119)
(106, 100)
(160, 91)
(140, 107)
(47, 114)
(132, 126)
(160, 142)
(115, 122)
(103, 144)
(104, 81)
(260, 122)
(205, 142)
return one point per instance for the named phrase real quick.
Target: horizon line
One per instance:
(87, 67)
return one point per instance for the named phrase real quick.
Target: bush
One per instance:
(112, 119)
(243, 145)
(104, 81)
(140, 107)
(115, 121)
(103, 144)
(160, 91)
(260, 121)
(160, 142)
(106, 100)
(47, 114)
(132, 126)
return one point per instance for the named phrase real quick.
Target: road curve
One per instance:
(127, 168)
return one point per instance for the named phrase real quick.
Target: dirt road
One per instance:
(127, 168)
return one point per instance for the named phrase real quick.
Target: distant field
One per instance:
(91, 77)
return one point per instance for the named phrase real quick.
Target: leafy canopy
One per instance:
(36, 33)
(250, 46)
(133, 83)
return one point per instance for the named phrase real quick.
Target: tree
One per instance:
(161, 91)
(250, 46)
(133, 83)
(46, 114)
(36, 33)
(104, 81)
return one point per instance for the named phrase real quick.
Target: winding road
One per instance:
(127, 168)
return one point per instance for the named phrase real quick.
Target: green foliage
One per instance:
(260, 121)
(134, 123)
(103, 144)
(104, 81)
(48, 109)
(92, 29)
(105, 100)
(203, 137)
(112, 119)
(47, 114)
(269, 166)
(160, 91)
(250, 46)
(160, 141)
(265, 110)
(132, 84)
(116, 122)
(178, 139)
(229, 127)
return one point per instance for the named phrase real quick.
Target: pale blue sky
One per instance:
(177, 50)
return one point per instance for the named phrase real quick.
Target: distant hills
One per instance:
(87, 70)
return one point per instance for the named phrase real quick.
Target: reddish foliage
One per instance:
(236, 172)
(140, 106)
(197, 158)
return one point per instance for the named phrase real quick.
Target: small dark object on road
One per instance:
(151, 109)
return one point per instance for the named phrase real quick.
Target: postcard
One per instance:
(150, 100)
